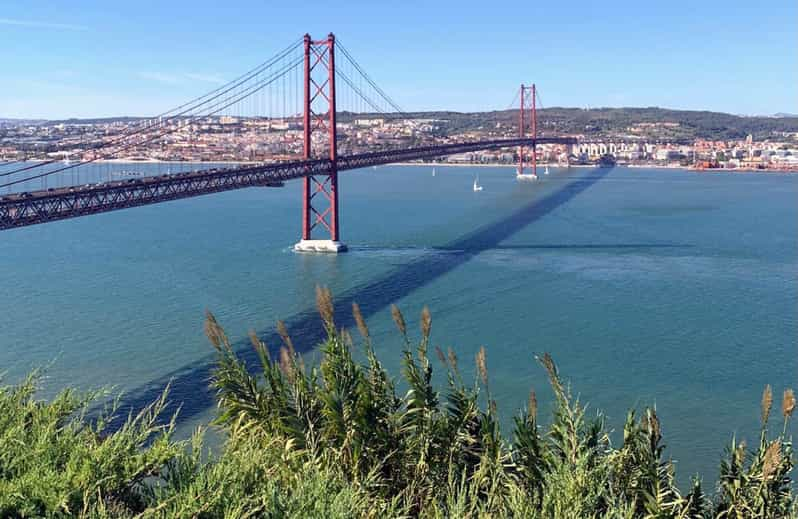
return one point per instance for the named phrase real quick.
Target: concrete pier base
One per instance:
(326, 246)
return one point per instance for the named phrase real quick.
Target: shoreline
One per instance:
(148, 161)
(631, 166)
(483, 165)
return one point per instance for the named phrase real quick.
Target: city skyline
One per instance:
(140, 60)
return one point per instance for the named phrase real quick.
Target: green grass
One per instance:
(337, 440)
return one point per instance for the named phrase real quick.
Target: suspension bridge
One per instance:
(287, 114)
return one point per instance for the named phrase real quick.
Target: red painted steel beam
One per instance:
(534, 132)
(334, 231)
(306, 147)
(521, 132)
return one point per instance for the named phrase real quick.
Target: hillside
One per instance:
(651, 123)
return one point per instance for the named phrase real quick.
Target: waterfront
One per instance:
(665, 287)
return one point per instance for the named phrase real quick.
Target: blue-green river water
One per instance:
(661, 287)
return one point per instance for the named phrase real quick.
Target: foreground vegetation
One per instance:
(338, 440)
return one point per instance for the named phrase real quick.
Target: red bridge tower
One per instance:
(320, 192)
(528, 96)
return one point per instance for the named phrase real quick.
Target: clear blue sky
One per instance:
(101, 58)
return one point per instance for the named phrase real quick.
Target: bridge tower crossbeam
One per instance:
(320, 191)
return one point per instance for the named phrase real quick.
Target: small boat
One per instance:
(477, 187)
(546, 171)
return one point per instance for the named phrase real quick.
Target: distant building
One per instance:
(665, 154)
(369, 122)
(461, 158)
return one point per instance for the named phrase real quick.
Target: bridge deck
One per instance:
(30, 208)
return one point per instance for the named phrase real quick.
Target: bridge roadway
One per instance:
(30, 208)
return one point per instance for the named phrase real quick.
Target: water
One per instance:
(649, 287)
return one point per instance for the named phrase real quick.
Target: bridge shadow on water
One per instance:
(593, 246)
(189, 384)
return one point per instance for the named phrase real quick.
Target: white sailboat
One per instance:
(477, 187)
(546, 171)
(433, 172)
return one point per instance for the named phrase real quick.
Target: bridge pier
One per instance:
(328, 246)
(320, 192)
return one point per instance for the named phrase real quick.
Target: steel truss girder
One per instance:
(18, 210)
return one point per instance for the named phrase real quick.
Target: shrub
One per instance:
(337, 440)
